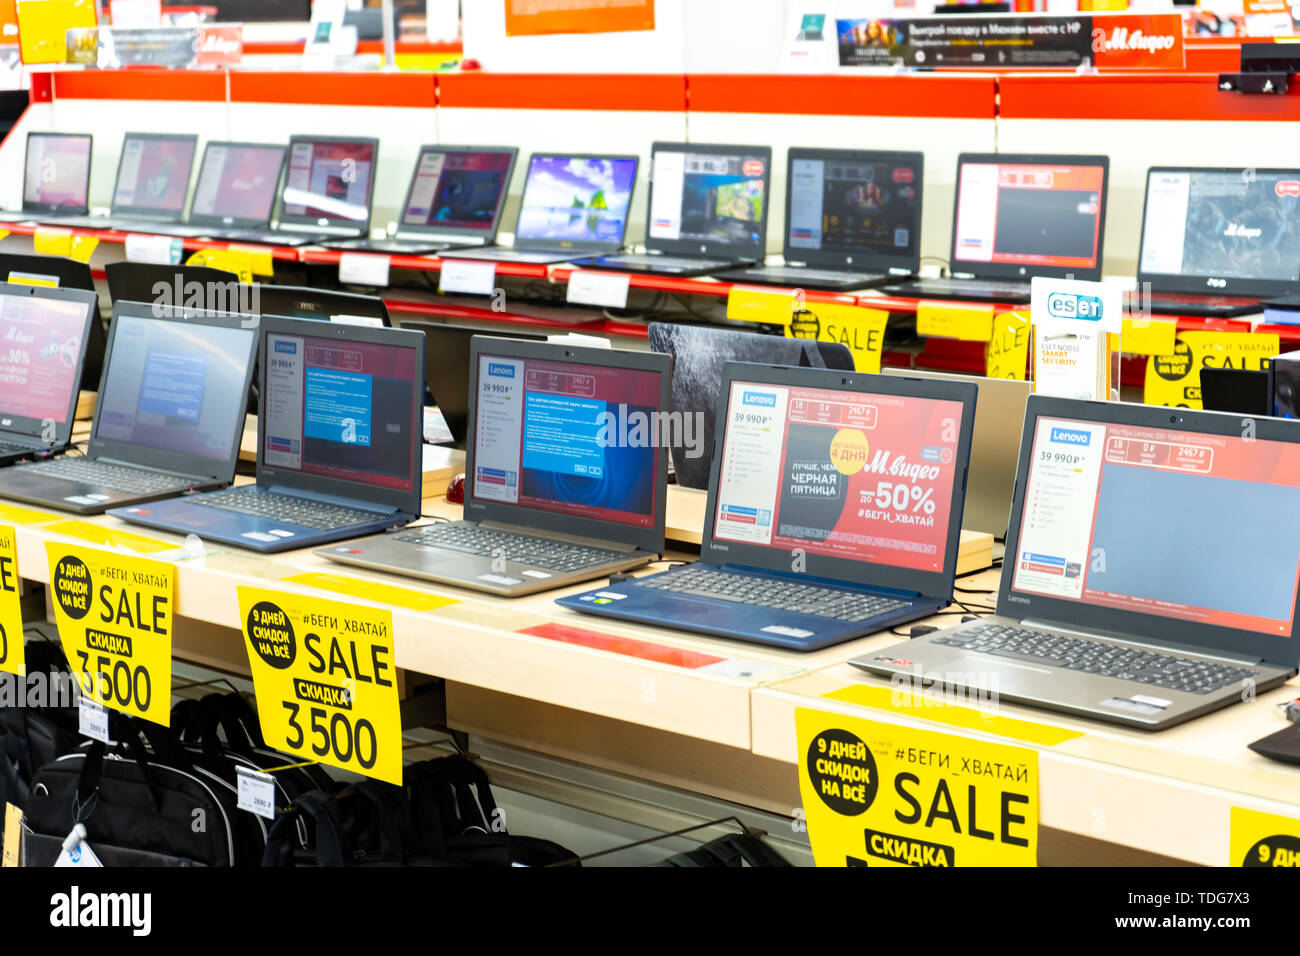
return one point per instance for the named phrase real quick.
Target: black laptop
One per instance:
(852, 221)
(302, 302)
(454, 201)
(56, 176)
(153, 181)
(235, 191)
(169, 418)
(43, 337)
(1017, 216)
(1216, 242)
(707, 211)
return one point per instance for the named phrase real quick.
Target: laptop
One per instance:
(834, 511)
(44, 333)
(995, 446)
(573, 205)
(165, 423)
(699, 353)
(339, 443)
(852, 221)
(326, 194)
(1017, 216)
(707, 211)
(1242, 390)
(1117, 603)
(56, 176)
(1217, 242)
(301, 302)
(454, 201)
(447, 367)
(561, 484)
(60, 271)
(236, 190)
(153, 180)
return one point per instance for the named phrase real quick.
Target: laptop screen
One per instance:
(341, 409)
(238, 181)
(1045, 214)
(847, 474)
(567, 437)
(458, 189)
(154, 172)
(1183, 525)
(58, 171)
(708, 197)
(172, 386)
(854, 205)
(582, 199)
(329, 179)
(40, 344)
(1230, 223)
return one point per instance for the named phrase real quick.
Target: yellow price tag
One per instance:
(877, 794)
(114, 614)
(1175, 378)
(970, 323)
(13, 836)
(861, 329)
(13, 658)
(1007, 354)
(1148, 336)
(243, 261)
(763, 305)
(1256, 838)
(325, 680)
(63, 242)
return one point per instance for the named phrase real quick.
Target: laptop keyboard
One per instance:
(666, 262)
(1095, 657)
(317, 515)
(775, 593)
(8, 447)
(135, 481)
(819, 275)
(966, 285)
(520, 548)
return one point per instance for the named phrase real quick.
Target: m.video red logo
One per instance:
(1287, 187)
(752, 167)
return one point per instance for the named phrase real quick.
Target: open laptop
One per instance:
(1217, 242)
(573, 205)
(153, 181)
(56, 176)
(169, 418)
(60, 271)
(995, 446)
(236, 190)
(1116, 602)
(852, 220)
(1247, 391)
(834, 511)
(1017, 216)
(699, 353)
(707, 211)
(43, 337)
(302, 302)
(560, 486)
(454, 201)
(326, 194)
(339, 443)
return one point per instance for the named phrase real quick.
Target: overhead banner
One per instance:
(1109, 41)
(106, 48)
(541, 17)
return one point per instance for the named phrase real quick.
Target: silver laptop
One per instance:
(1151, 569)
(565, 481)
(56, 176)
(153, 180)
(999, 411)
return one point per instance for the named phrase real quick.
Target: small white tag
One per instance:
(362, 268)
(787, 631)
(536, 574)
(281, 533)
(161, 250)
(607, 289)
(76, 851)
(258, 536)
(92, 720)
(499, 579)
(97, 497)
(256, 792)
(1153, 701)
(612, 595)
(463, 275)
(367, 321)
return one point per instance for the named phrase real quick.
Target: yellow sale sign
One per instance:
(1263, 839)
(12, 656)
(1175, 379)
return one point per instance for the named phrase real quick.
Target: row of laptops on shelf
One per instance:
(834, 506)
(1214, 241)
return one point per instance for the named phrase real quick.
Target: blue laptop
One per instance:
(834, 511)
(339, 442)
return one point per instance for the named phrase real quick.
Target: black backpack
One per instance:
(32, 736)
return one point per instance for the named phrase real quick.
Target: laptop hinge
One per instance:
(1138, 642)
(339, 500)
(556, 536)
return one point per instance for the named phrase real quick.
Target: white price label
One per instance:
(605, 289)
(462, 275)
(160, 250)
(362, 268)
(256, 792)
(92, 720)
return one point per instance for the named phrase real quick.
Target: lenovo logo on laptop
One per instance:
(1070, 436)
(766, 399)
(498, 370)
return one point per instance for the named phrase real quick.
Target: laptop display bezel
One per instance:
(366, 306)
(576, 245)
(182, 463)
(42, 208)
(159, 213)
(407, 501)
(646, 538)
(1222, 285)
(489, 235)
(1024, 270)
(693, 247)
(326, 222)
(861, 259)
(33, 427)
(937, 584)
(238, 221)
(1147, 628)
